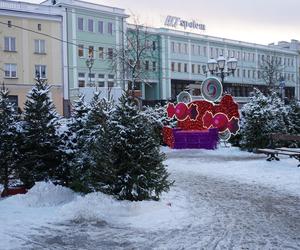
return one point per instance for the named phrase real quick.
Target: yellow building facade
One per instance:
(31, 46)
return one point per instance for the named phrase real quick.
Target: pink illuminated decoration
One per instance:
(182, 111)
(221, 122)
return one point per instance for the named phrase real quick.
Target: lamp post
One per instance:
(89, 63)
(218, 67)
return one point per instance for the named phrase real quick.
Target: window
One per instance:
(253, 57)
(238, 72)
(10, 70)
(110, 28)
(101, 53)
(154, 45)
(185, 68)
(147, 65)
(80, 23)
(91, 25)
(91, 79)
(91, 51)
(249, 73)
(185, 48)
(110, 53)
(110, 84)
(154, 66)
(40, 71)
(39, 27)
(179, 67)
(173, 47)
(179, 48)
(258, 74)
(244, 73)
(81, 80)
(193, 49)
(9, 24)
(238, 55)
(172, 66)
(204, 51)
(292, 62)
(199, 50)
(211, 52)
(217, 52)
(101, 80)
(80, 50)
(39, 46)
(100, 27)
(253, 74)
(13, 99)
(199, 69)
(9, 44)
(193, 68)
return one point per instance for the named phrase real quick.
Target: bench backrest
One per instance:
(284, 137)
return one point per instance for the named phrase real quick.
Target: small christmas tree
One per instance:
(129, 164)
(261, 116)
(158, 118)
(8, 138)
(40, 154)
(293, 123)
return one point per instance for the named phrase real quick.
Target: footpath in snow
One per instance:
(213, 192)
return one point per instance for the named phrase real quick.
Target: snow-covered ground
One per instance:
(234, 164)
(223, 199)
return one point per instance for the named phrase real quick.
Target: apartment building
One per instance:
(30, 46)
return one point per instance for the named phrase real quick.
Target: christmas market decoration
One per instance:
(212, 89)
(184, 97)
(201, 123)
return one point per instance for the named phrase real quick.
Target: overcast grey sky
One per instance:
(258, 21)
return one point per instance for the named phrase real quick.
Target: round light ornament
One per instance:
(184, 97)
(211, 89)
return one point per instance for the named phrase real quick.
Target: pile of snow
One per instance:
(171, 211)
(46, 194)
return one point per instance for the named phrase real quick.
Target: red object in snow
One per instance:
(13, 191)
(221, 122)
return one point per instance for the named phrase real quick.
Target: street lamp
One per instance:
(217, 67)
(89, 63)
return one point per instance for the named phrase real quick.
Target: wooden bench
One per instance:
(272, 152)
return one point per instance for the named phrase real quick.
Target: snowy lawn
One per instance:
(46, 205)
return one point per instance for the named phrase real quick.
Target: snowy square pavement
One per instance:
(222, 199)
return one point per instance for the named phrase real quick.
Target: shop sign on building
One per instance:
(177, 22)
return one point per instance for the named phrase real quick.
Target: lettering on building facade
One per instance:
(174, 22)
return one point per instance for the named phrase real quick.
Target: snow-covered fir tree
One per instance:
(128, 162)
(261, 116)
(8, 138)
(87, 124)
(293, 124)
(40, 153)
(158, 118)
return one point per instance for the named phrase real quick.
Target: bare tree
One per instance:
(271, 69)
(138, 57)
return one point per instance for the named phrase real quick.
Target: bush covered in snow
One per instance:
(158, 118)
(263, 115)
(102, 147)
(127, 159)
